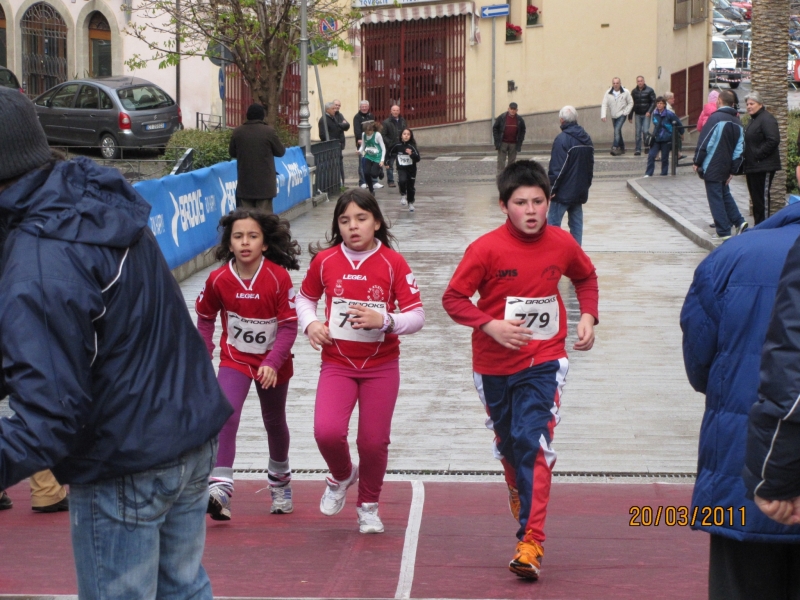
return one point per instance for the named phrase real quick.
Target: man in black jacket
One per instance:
(254, 145)
(508, 133)
(570, 172)
(392, 129)
(110, 383)
(644, 103)
(362, 115)
(717, 159)
(332, 128)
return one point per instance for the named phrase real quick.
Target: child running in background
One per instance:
(363, 280)
(373, 153)
(407, 159)
(518, 340)
(254, 294)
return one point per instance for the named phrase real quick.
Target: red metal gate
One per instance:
(419, 65)
(238, 97)
(696, 92)
(678, 87)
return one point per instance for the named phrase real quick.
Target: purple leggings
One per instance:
(273, 412)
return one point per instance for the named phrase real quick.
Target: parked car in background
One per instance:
(746, 7)
(722, 67)
(721, 23)
(794, 59)
(729, 10)
(9, 80)
(739, 31)
(109, 112)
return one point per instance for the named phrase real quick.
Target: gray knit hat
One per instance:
(23, 145)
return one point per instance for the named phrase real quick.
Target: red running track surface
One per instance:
(466, 540)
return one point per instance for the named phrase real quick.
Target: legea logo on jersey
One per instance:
(228, 202)
(246, 296)
(412, 283)
(356, 277)
(189, 208)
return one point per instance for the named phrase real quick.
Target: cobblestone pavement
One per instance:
(627, 406)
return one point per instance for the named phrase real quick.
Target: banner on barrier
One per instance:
(186, 208)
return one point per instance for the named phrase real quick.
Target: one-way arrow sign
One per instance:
(495, 10)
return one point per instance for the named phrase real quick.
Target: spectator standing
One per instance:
(331, 128)
(508, 133)
(644, 103)
(724, 320)
(762, 157)
(110, 383)
(664, 122)
(254, 145)
(345, 127)
(362, 115)
(392, 128)
(718, 157)
(47, 495)
(570, 173)
(618, 104)
(708, 110)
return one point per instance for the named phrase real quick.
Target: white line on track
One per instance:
(410, 544)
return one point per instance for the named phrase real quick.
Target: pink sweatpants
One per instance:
(376, 390)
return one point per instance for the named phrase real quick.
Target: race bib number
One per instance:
(342, 329)
(252, 336)
(371, 150)
(404, 160)
(540, 315)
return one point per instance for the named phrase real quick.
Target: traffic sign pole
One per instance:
(494, 84)
(492, 12)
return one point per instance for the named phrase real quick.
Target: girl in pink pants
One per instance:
(363, 281)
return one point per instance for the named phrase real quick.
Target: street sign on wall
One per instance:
(494, 10)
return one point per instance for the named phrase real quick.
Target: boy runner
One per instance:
(518, 340)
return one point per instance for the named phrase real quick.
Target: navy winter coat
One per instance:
(106, 373)
(663, 123)
(571, 165)
(724, 322)
(720, 149)
(773, 442)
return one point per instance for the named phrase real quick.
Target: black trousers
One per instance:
(759, 184)
(406, 180)
(753, 570)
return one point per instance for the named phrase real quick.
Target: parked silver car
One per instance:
(109, 112)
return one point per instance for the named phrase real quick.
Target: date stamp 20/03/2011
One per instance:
(681, 516)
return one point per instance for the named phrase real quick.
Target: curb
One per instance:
(701, 238)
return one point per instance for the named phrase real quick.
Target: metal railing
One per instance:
(136, 164)
(328, 162)
(206, 122)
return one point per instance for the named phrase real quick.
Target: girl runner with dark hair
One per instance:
(407, 159)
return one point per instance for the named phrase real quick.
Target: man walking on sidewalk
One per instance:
(719, 156)
(644, 103)
(392, 130)
(508, 133)
(618, 104)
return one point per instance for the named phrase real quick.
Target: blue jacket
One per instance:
(106, 373)
(571, 165)
(663, 124)
(724, 322)
(720, 149)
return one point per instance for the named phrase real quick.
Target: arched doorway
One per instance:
(99, 46)
(3, 52)
(44, 48)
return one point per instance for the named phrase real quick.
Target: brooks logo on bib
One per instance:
(540, 315)
(252, 336)
(342, 329)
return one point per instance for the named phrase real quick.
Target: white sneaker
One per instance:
(219, 502)
(410, 208)
(281, 499)
(364, 186)
(377, 185)
(403, 200)
(333, 499)
(368, 519)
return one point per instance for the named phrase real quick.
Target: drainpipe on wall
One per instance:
(178, 50)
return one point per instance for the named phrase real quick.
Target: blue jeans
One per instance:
(642, 123)
(556, 214)
(618, 123)
(664, 148)
(142, 535)
(361, 180)
(723, 207)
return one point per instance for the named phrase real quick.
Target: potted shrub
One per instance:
(533, 14)
(513, 32)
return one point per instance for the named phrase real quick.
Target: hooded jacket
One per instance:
(106, 373)
(571, 165)
(724, 322)
(720, 149)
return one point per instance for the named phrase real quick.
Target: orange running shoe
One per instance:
(528, 560)
(513, 502)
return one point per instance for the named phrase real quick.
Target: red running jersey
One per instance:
(383, 281)
(251, 312)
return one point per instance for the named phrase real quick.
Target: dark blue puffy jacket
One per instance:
(720, 149)
(663, 123)
(724, 322)
(106, 373)
(571, 165)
